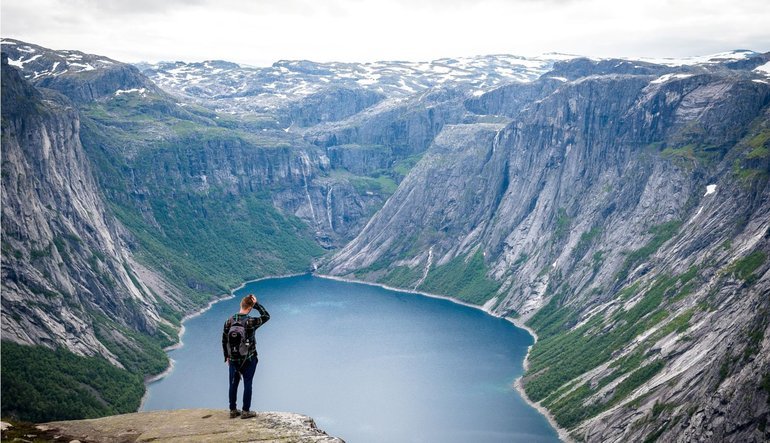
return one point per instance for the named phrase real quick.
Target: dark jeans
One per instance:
(246, 370)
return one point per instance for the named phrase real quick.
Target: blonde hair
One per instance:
(247, 302)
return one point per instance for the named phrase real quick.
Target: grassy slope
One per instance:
(463, 277)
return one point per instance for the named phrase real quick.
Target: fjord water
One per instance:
(368, 364)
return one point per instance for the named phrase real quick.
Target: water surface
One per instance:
(368, 364)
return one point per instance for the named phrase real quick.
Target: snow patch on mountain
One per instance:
(36, 61)
(764, 69)
(140, 91)
(239, 89)
(720, 57)
(667, 77)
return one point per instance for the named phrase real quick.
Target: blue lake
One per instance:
(368, 364)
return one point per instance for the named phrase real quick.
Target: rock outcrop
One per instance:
(406, 126)
(330, 104)
(192, 425)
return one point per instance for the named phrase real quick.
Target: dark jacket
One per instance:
(252, 323)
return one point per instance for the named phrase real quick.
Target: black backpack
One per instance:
(237, 340)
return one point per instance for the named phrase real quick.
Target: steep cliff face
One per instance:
(281, 171)
(331, 104)
(622, 214)
(68, 277)
(406, 126)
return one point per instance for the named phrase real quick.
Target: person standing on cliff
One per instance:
(240, 349)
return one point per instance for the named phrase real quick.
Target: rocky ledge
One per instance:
(190, 425)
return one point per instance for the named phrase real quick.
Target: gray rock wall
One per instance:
(65, 260)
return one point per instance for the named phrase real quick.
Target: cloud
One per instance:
(261, 32)
(139, 7)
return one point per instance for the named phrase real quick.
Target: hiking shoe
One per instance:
(248, 414)
(235, 413)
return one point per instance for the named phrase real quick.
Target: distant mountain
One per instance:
(733, 58)
(38, 61)
(81, 77)
(235, 88)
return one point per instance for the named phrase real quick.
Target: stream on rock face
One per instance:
(367, 363)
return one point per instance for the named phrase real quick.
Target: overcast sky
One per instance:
(260, 32)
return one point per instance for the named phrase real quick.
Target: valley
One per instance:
(618, 208)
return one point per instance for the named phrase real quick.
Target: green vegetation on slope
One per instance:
(660, 234)
(465, 280)
(552, 318)
(752, 163)
(403, 166)
(211, 244)
(204, 241)
(744, 268)
(562, 224)
(562, 354)
(139, 353)
(572, 408)
(402, 277)
(39, 384)
(586, 241)
(380, 184)
(694, 153)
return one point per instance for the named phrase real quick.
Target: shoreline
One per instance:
(519, 387)
(408, 291)
(562, 433)
(182, 329)
(180, 334)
